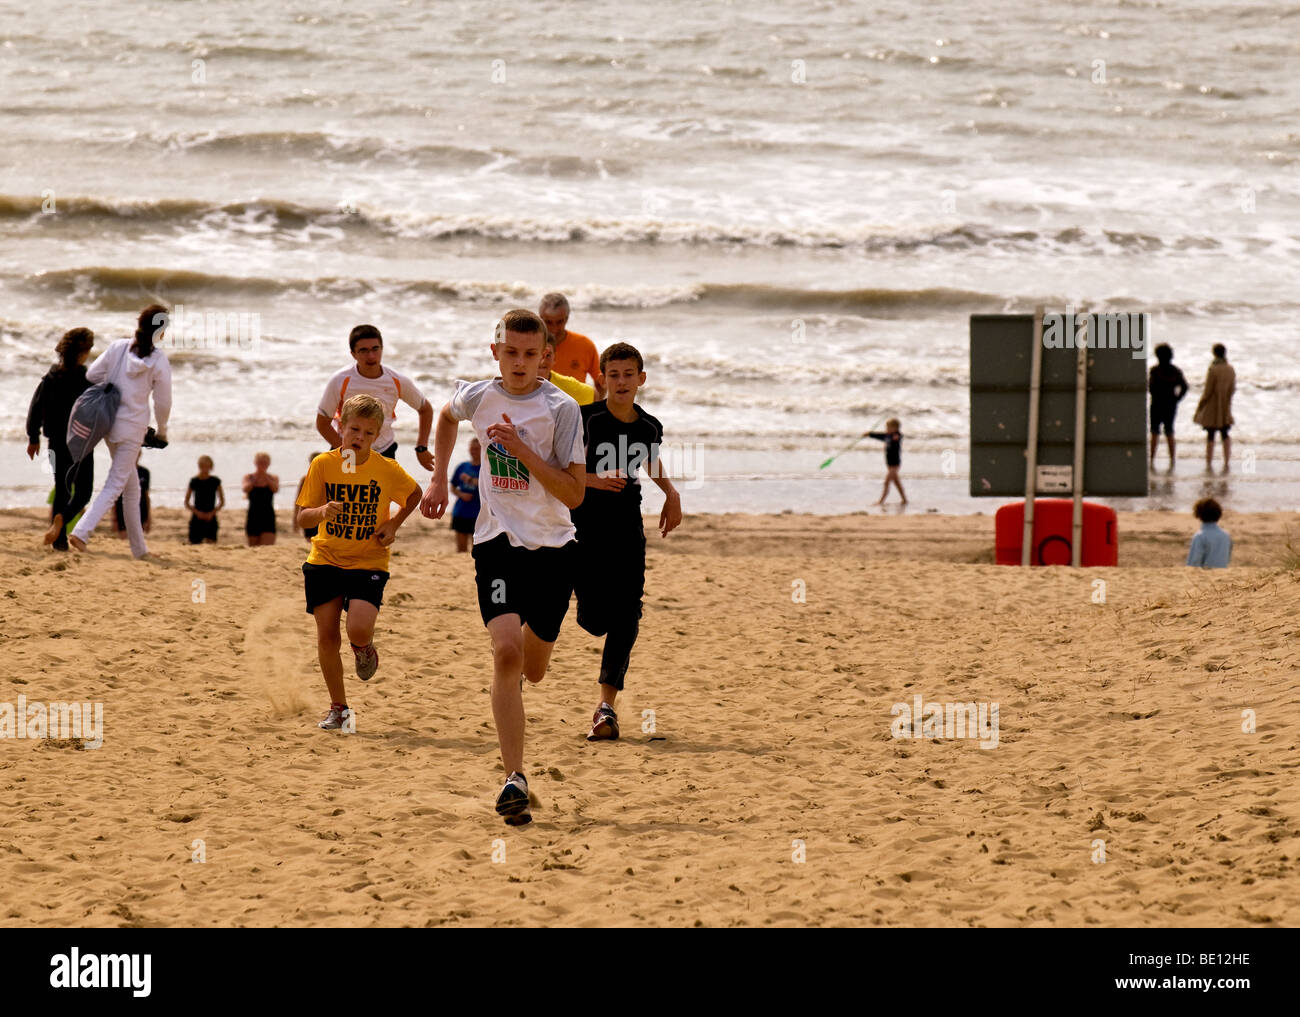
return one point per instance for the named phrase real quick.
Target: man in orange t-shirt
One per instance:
(575, 355)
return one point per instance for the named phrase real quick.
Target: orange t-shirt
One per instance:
(577, 357)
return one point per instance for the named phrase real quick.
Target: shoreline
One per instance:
(1147, 539)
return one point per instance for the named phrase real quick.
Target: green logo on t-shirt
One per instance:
(508, 473)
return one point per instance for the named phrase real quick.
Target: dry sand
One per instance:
(1119, 722)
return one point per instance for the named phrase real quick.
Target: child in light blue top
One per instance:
(1212, 547)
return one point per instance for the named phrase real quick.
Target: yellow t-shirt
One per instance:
(349, 542)
(579, 391)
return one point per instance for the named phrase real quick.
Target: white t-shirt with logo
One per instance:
(513, 502)
(389, 388)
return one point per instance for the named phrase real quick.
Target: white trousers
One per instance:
(122, 480)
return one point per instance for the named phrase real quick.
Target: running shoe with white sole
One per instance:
(334, 719)
(512, 803)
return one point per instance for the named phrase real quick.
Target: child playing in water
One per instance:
(893, 439)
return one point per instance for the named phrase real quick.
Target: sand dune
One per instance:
(1119, 722)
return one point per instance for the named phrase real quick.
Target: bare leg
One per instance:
(1170, 439)
(1155, 441)
(327, 646)
(537, 656)
(507, 698)
(1209, 449)
(608, 694)
(893, 476)
(362, 616)
(884, 492)
(1227, 449)
(462, 542)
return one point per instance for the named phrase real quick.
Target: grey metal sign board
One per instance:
(1115, 433)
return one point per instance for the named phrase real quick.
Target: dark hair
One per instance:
(523, 321)
(1208, 510)
(148, 327)
(363, 332)
(1164, 353)
(621, 351)
(74, 343)
(1220, 350)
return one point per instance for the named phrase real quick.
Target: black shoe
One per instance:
(512, 803)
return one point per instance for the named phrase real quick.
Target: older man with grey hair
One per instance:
(575, 355)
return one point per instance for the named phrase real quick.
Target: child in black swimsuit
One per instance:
(260, 486)
(893, 439)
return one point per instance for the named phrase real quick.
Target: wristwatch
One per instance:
(421, 448)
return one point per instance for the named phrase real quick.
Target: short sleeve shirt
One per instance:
(367, 489)
(205, 492)
(577, 357)
(389, 388)
(616, 446)
(511, 501)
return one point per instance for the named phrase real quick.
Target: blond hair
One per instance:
(362, 406)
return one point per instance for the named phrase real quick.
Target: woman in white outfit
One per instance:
(137, 368)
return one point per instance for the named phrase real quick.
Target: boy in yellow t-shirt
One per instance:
(347, 493)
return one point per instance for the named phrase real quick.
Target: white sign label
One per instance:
(1055, 479)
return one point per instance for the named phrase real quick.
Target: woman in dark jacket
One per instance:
(51, 406)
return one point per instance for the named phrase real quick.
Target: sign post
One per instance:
(1058, 407)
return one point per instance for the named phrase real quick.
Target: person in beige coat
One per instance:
(1214, 411)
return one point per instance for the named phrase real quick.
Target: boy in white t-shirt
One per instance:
(534, 471)
(369, 376)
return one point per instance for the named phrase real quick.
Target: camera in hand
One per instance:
(151, 439)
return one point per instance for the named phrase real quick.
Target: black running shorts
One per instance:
(536, 584)
(325, 582)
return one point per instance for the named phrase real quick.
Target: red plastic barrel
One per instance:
(1054, 532)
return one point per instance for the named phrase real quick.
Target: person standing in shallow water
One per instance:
(49, 411)
(1214, 411)
(1167, 387)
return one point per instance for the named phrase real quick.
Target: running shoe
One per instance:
(604, 725)
(512, 803)
(367, 661)
(334, 719)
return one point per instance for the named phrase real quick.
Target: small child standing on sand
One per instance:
(260, 487)
(347, 495)
(893, 439)
(119, 507)
(464, 485)
(1211, 547)
(201, 498)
